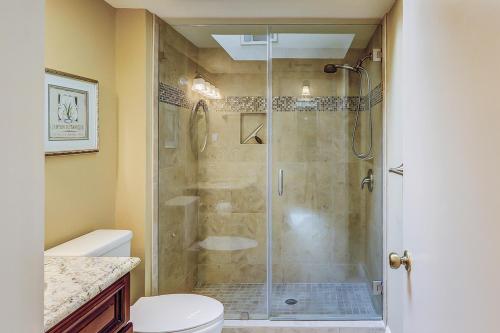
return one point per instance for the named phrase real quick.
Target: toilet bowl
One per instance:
(186, 313)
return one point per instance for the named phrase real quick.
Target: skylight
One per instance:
(286, 46)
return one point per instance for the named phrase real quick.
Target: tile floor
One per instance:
(315, 301)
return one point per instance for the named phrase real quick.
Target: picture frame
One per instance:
(71, 114)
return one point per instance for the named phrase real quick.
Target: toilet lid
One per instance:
(174, 312)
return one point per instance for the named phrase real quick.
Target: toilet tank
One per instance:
(98, 243)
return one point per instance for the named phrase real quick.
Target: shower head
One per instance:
(332, 68)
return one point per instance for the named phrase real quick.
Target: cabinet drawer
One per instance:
(108, 312)
(104, 316)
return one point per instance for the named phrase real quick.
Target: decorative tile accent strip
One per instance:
(239, 104)
(327, 103)
(176, 96)
(286, 104)
(172, 95)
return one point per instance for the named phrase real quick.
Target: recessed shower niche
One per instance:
(270, 218)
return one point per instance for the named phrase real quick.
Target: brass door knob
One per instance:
(395, 261)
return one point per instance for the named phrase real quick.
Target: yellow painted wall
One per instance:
(133, 59)
(80, 189)
(107, 189)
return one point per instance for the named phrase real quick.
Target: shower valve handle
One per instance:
(368, 180)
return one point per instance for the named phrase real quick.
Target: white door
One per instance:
(22, 165)
(393, 201)
(451, 148)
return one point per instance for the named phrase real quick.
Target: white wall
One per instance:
(21, 166)
(452, 158)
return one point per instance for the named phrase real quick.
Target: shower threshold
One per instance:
(294, 301)
(270, 326)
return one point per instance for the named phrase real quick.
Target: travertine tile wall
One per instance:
(227, 178)
(232, 177)
(178, 173)
(318, 230)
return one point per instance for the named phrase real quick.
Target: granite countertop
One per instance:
(73, 281)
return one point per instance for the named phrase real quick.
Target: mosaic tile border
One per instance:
(240, 104)
(172, 95)
(175, 96)
(328, 103)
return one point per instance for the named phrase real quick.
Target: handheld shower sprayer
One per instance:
(359, 69)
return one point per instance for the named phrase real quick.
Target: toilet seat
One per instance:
(176, 313)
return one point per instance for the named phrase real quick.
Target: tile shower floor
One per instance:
(346, 301)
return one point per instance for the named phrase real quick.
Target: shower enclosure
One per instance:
(260, 203)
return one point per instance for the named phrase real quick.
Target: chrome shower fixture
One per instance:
(368, 180)
(359, 69)
(332, 68)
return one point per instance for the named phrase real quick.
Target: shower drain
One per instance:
(291, 301)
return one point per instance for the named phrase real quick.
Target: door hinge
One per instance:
(377, 288)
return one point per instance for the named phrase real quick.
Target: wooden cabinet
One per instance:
(108, 312)
(127, 329)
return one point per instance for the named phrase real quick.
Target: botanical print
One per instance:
(71, 114)
(68, 114)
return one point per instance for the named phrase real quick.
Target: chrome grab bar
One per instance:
(280, 182)
(397, 170)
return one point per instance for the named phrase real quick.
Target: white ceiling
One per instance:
(201, 36)
(170, 10)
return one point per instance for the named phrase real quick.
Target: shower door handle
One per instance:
(280, 182)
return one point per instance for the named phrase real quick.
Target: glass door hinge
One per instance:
(377, 288)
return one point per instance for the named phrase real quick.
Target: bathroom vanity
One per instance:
(88, 294)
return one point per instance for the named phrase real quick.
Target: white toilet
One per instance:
(184, 313)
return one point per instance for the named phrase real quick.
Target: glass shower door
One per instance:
(212, 165)
(323, 229)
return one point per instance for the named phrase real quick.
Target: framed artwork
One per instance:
(71, 114)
